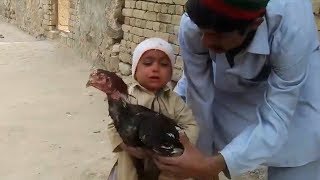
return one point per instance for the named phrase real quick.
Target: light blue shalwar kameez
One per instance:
(273, 121)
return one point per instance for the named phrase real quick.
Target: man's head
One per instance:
(226, 23)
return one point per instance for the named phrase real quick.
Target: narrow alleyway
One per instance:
(51, 126)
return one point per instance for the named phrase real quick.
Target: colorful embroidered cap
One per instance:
(238, 9)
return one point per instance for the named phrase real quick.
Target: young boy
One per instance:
(152, 66)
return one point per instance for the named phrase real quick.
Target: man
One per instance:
(260, 103)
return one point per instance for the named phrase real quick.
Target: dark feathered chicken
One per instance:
(137, 125)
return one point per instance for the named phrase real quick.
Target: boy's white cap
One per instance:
(148, 44)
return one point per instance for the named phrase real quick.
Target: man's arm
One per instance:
(181, 87)
(199, 77)
(289, 59)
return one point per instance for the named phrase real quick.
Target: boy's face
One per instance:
(154, 70)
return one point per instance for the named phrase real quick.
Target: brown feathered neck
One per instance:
(119, 88)
(118, 84)
(117, 96)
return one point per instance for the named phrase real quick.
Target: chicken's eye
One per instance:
(102, 77)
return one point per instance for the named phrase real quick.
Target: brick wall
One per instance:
(95, 31)
(145, 19)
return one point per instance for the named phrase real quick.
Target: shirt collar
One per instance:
(260, 42)
(136, 85)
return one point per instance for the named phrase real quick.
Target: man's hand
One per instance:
(138, 153)
(192, 163)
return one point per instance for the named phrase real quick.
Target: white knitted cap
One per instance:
(148, 44)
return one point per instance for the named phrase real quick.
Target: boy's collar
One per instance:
(136, 84)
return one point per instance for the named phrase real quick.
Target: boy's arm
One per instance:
(185, 119)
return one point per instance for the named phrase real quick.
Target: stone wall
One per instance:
(32, 16)
(93, 27)
(145, 19)
(95, 30)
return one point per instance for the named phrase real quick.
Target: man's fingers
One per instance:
(162, 166)
(184, 139)
(149, 153)
(168, 160)
(166, 167)
(174, 171)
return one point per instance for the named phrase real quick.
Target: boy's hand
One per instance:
(133, 151)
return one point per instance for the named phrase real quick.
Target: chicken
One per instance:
(137, 125)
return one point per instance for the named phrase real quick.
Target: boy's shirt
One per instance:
(166, 102)
(169, 104)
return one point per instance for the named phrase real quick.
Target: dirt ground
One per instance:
(51, 126)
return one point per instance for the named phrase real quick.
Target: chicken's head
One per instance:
(107, 82)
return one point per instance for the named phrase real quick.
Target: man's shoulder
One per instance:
(187, 25)
(190, 36)
(283, 15)
(280, 7)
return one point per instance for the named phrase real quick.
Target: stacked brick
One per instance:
(34, 17)
(73, 23)
(49, 18)
(103, 52)
(66, 37)
(9, 11)
(152, 18)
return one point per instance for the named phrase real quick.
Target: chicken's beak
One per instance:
(89, 83)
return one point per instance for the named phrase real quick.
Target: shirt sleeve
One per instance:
(114, 137)
(185, 118)
(199, 77)
(181, 86)
(289, 58)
